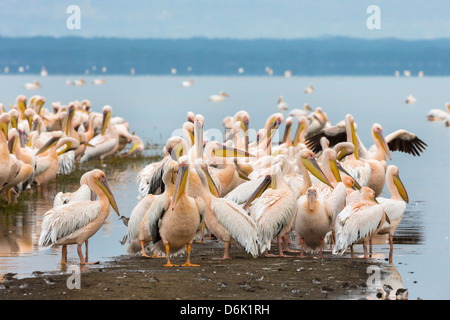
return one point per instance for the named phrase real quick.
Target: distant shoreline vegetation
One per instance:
(204, 56)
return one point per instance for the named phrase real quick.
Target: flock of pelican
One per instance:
(321, 184)
(37, 143)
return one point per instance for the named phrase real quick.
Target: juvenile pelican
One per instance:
(76, 222)
(174, 224)
(358, 222)
(394, 206)
(438, 114)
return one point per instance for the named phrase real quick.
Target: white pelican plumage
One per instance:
(174, 224)
(315, 217)
(218, 97)
(273, 211)
(394, 206)
(438, 114)
(104, 144)
(32, 85)
(358, 222)
(309, 89)
(281, 104)
(187, 83)
(224, 218)
(76, 222)
(299, 112)
(410, 99)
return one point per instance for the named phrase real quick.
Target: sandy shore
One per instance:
(241, 278)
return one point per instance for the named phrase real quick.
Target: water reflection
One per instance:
(387, 284)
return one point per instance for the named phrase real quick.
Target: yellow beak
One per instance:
(314, 168)
(103, 184)
(401, 188)
(50, 143)
(259, 191)
(180, 184)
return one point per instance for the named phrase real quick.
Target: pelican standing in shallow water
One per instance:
(394, 206)
(174, 224)
(76, 222)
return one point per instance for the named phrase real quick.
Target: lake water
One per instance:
(156, 106)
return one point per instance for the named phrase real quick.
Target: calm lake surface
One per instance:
(156, 106)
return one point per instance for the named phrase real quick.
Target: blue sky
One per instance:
(241, 19)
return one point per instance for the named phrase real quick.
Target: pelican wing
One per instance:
(337, 199)
(101, 146)
(244, 191)
(357, 221)
(271, 212)
(137, 215)
(394, 209)
(237, 222)
(155, 214)
(83, 193)
(405, 141)
(150, 178)
(61, 221)
(334, 135)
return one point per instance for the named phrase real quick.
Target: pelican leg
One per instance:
(366, 256)
(391, 248)
(169, 264)
(80, 255)
(302, 241)
(226, 253)
(351, 251)
(144, 254)
(64, 254)
(280, 247)
(287, 241)
(202, 233)
(370, 248)
(87, 254)
(321, 247)
(188, 261)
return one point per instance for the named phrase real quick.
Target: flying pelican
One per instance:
(174, 224)
(281, 104)
(315, 217)
(358, 222)
(225, 219)
(138, 233)
(76, 222)
(273, 211)
(438, 114)
(104, 144)
(309, 89)
(394, 206)
(218, 97)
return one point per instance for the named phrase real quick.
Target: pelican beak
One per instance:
(314, 168)
(22, 106)
(106, 117)
(14, 122)
(307, 107)
(341, 155)
(103, 184)
(68, 120)
(231, 134)
(287, 132)
(229, 152)
(134, 149)
(34, 125)
(335, 171)
(300, 128)
(22, 138)
(212, 186)
(315, 116)
(87, 144)
(50, 143)
(259, 191)
(379, 135)
(198, 136)
(4, 128)
(354, 141)
(341, 168)
(401, 188)
(180, 184)
(68, 147)
(12, 144)
(40, 104)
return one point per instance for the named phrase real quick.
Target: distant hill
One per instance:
(319, 56)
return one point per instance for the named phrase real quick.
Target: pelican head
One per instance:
(215, 150)
(14, 117)
(21, 102)
(13, 135)
(311, 194)
(223, 94)
(259, 191)
(301, 129)
(107, 112)
(367, 194)
(51, 142)
(307, 107)
(330, 156)
(190, 116)
(39, 103)
(99, 178)
(202, 169)
(5, 119)
(308, 159)
(287, 130)
(351, 183)
(398, 182)
(244, 118)
(343, 149)
(182, 178)
(377, 132)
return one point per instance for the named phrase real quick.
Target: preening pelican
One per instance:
(438, 114)
(174, 224)
(315, 217)
(394, 206)
(225, 219)
(76, 222)
(218, 97)
(358, 222)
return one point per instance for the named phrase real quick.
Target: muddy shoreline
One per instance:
(241, 278)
